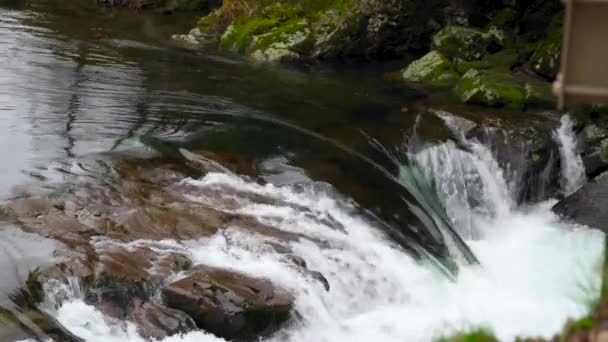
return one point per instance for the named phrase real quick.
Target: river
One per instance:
(312, 152)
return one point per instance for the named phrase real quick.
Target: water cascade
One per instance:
(534, 273)
(572, 169)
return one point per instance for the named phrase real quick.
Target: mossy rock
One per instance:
(547, 56)
(493, 88)
(503, 60)
(505, 19)
(339, 29)
(461, 42)
(239, 36)
(433, 70)
(539, 93)
(288, 40)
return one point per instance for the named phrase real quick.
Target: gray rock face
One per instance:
(588, 205)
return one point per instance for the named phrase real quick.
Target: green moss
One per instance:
(547, 55)
(239, 35)
(478, 335)
(433, 70)
(506, 18)
(494, 88)
(292, 35)
(582, 324)
(461, 42)
(539, 93)
(210, 23)
(503, 60)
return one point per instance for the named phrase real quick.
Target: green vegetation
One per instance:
(546, 58)
(461, 42)
(476, 335)
(491, 88)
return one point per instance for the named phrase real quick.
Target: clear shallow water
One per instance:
(77, 82)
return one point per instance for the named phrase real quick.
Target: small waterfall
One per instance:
(470, 184)
(572, 169)
(532, 266)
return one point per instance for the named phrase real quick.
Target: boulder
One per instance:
(493, 88)
(595, 157)
(587, 206)
(126, 274)
(528, 155)
(229, 304)
(433, 70)
(458, 42)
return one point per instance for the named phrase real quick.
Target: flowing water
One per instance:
(414, 245)
(573, 171)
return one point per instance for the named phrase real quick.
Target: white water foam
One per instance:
(535, 272)
(573, 170)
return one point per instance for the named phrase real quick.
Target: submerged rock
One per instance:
(229, 304)
(491, 88)
(432, 70)
(587, 206)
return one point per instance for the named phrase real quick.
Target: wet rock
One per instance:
(155, 321)
(528, 155)
(491, 88)
(432, 70)
(229, 304)
(595, 157)
(457, 42)
(123, 274)
(587, 205)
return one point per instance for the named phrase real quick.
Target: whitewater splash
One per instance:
(572, 169)
(535, 271)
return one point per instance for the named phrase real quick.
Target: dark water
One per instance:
(79, 82)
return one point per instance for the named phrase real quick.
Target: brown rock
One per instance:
(229, 304)
(158, 321)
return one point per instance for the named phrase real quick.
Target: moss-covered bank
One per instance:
(499, 64)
